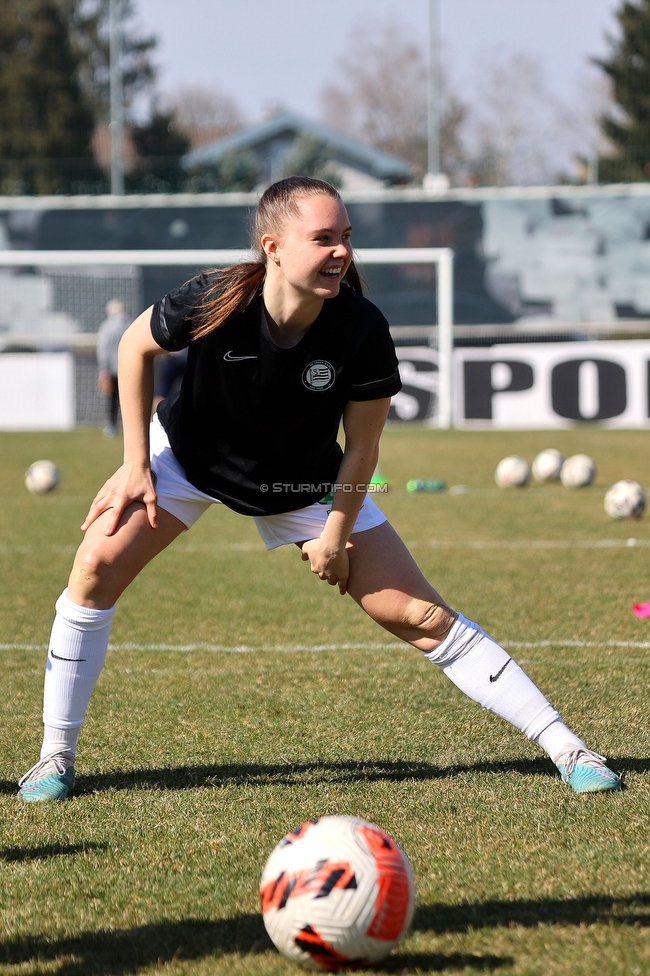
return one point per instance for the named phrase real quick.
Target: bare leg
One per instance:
(387, 583)
(105, 565)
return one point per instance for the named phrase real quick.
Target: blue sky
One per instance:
(284, 51)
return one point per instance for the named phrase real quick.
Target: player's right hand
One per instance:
(129, 484)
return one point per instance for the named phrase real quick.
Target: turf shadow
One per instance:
(624, 910)
(119, 952)
(437, 962)
(631, 764)
(293, 774)
(48, 850)
(122, 951)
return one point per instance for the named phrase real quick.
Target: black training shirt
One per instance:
(254, 424)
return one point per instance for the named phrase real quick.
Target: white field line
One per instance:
(412, 544)
(224, 648)
(187, 547)
(251, 649)
(536, 544)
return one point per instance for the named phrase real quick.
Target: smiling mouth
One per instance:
(333, 273)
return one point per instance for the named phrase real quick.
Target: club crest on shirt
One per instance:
(319, 375)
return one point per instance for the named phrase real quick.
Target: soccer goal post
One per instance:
(442, 332)
(53, 301)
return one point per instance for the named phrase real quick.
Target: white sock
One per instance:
(486, 673)
(59, 740)
(76, 655)
(557, 740)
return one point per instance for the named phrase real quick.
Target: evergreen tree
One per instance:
(237, 171)
(158, 143)
(45, 123)
(309, 157)
(159, 146)
(88, 24)
(629, 71)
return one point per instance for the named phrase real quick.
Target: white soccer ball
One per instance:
(41, 477)
(337, 891)
(547, 465)
(625, 499)
(578, 471)
(512, 472)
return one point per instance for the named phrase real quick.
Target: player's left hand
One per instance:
(328, 563)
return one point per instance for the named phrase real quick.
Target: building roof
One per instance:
(289, 125)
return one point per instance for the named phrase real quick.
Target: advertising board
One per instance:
(37, 391)
(546, 385)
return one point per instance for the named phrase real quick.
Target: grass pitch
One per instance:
(193, 763)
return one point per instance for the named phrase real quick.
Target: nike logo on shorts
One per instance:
(495, 677)
(229, 358)
(72, 659)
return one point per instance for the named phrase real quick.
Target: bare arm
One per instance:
(363, 423)
(132, 481)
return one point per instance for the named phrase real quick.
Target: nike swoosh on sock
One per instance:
(495, 677)
(72, 659)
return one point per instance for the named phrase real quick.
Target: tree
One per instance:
(159, 146)
(203, 114)
(519, 132)
(309, 157)
(237, 171)
(45, 122)
(384, 98)
(88, 24)
(510, 138)
(628, 69)
(152, 148)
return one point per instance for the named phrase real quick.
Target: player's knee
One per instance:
(91, 567)
(429, 619)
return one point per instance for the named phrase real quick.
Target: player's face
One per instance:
(314, 250)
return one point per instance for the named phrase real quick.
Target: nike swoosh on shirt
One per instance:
(235, 359)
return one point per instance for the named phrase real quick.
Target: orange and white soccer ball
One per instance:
(337, 892)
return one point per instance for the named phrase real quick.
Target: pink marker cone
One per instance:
(641, 609)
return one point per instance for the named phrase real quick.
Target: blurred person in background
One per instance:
(109, 334)
(168, 375)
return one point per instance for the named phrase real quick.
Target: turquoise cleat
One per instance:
(585, 772)
(49, 779)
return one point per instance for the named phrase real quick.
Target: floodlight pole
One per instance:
(116, 125)
(445, 339)
(433, 115)
(434, 178)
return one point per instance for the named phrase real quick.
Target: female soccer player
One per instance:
(280, 350)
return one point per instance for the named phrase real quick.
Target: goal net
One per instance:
(52, 303)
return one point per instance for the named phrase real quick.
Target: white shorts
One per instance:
(181, 499)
